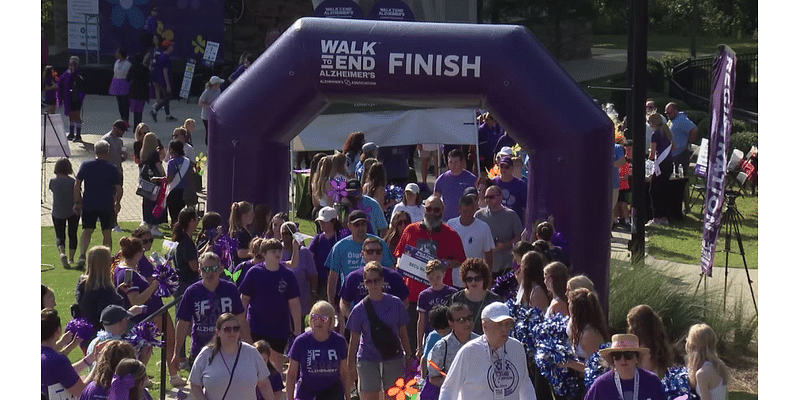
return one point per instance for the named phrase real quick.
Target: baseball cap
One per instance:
(215, 80)
(412, 187)
(470, 191)
(496, 312)
(327, 214)
(356, 215)
(506, 161)
(369, 146)
(121, 124)
(353, 185)
(505, 151)
(113, 314)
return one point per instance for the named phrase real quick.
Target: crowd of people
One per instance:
(431, 276)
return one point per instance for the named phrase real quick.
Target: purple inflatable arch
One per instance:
(501, 68)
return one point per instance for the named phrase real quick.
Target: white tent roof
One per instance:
(390, 128)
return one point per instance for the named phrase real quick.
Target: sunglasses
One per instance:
(627, 354)
(371, 281)
(210, 268)
(464, 319)
(373, 251)
(320, 317)
(433, 209)
(229, 329)
(473, 279)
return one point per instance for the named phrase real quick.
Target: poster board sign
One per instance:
(169, 248)
(412, 264)
(188, 74)
(701, 168)
(391, 10)
(210, 54)
(338, 9)
(54, 139)
(79, 35)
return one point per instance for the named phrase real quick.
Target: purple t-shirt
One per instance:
(140, 284)
(202, 307)
(269, 292)
(604, 387)
(243, 266)
(452, 188)
(93, 391)
(319, 362)
(390, 310)
(515, 195)
(146, 268)
(354, 289)
(320, 246)
(429, 298)
(57, 371)
(305, 268)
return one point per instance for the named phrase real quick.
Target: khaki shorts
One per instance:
(378, 376)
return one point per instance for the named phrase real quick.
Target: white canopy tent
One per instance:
(390, 128)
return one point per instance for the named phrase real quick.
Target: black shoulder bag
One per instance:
(382, 334)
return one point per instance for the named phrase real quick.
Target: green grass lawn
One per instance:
(679, 44)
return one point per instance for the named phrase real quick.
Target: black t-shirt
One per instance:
(244, 237)
(91, 303)
(185, 252)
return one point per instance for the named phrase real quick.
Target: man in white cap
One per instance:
(493, 366)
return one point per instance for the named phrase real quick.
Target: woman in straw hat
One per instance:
(625, 380)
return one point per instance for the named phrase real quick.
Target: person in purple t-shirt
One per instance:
(318, 359)
(203, 302)
(58, 374)
(377, 370)
(515, 191)
(450, 185)
(303, 268)
(354, 288)
(272, 299)
(322, 243)
(437, 294)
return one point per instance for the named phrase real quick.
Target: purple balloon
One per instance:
(501, 68)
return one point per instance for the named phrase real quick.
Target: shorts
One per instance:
(89, 219)
(423, 154)
(682, 159)
(623, 195)
(378, 376)
(75, 106)
(278, 345)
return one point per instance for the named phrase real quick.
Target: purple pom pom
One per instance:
(81, 328)
(506, 286)
(225, 248)
(167, 279)
(145, 333)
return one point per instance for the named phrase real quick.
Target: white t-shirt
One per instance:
(476, 239)
(415, 212)
(214, 377)
(477, 374)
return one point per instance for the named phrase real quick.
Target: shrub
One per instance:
(656, 75)
(671, 60)
(743, 140)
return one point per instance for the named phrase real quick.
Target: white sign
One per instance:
(54, 139)
(701, 167)
(211, 50)
(79, 35)
(77, 8)
(412, 264)
(188, 74)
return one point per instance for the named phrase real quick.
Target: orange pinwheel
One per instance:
(403, 389)
(436, 367)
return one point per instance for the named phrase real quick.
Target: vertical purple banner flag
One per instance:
(723, 84)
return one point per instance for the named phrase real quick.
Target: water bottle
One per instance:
(680, 171)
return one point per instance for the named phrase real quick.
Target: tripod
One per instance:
(731, 220)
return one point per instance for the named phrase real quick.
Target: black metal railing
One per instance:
(691, 82)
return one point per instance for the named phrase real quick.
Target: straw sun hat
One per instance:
(624, 342)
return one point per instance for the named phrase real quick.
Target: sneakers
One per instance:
(657, 221)
(81, 262)
(155, 232)
(116, 228)
(154, 114)
(177, 381)
(171, 118)
(64, 262)
(77, 139)
(71, 136)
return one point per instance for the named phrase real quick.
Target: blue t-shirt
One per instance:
(270, 291)
(100, 179)
(319, 361)
(680, 127)
(345, 257)
(430, 339)
(374, 212)
(173, 167)
(619, 152)
(202, 307)
(452, 188)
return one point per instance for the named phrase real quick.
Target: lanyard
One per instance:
(635, 385)
(500, 358)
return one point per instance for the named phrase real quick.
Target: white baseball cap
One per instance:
(496, 312)
(215, 80)
(327, 214)
(412, 187)
(505, 151)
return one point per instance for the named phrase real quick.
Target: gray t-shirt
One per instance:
(444, 352)
(62, 186)
(213, 377)
(505, 224)
(208, 97)
(114, 149)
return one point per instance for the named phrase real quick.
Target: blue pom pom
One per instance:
(553, 348)
(676, 382)
(594, 367)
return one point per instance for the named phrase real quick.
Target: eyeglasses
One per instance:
(229, 329)
(209, 268)
(373, 251)
(433, 209)
(320, 317)
(627, 354)
(473, 279)
(371, 281)
(464, 319)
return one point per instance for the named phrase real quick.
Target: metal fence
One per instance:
(691, 82)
